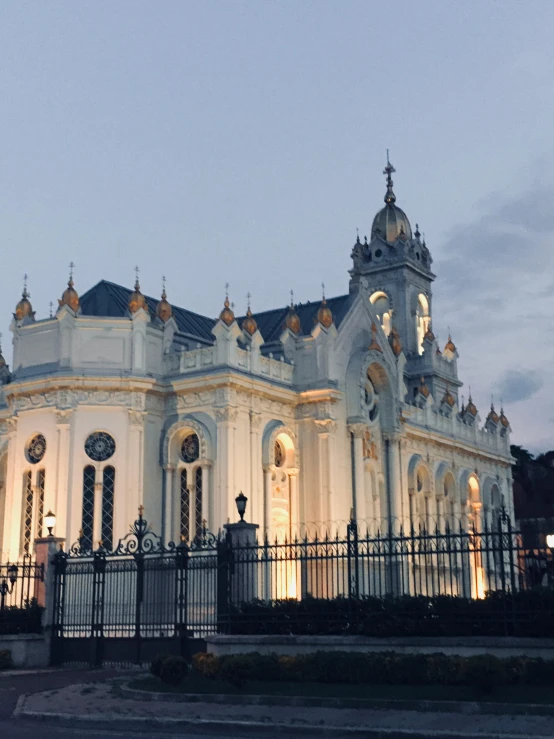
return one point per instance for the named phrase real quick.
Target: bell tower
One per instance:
(396, 267)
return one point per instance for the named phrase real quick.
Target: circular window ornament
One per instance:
(36, 448)
(100, 446)
(190, 448)
(279, 454)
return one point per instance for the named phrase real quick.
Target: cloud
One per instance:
(517, 385)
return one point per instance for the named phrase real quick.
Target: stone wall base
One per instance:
(463, 646)
(27, 650)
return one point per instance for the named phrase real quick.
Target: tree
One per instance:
(521, 455)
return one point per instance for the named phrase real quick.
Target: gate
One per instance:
(142, 599)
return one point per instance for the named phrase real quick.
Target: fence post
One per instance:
(224, 567)
(181, 569)
(97, 616)
(53, 617)
(45, 559)
(353, 581)
(244, 575)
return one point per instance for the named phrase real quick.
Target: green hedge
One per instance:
(27, 620)
(482, 671)
(526, 613)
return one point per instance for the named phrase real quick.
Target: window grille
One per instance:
(41, 480)
(27, 512)
(87, 521)
(198, 507)
(185, 507)
(108, 488)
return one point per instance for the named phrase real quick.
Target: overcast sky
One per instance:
(216, 141)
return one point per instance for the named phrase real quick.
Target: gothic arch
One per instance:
(177, 430)
(273, 430)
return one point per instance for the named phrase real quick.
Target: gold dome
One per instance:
(391, 223)
(137, 300)
(249, 324)
(292, 321)
(448, 398)
(227, 315)
(423, 389)
(503, 420)
(493, 415)
(471, 408)
(450, 346)
(24, 309)
(70, 297)
(324, 314)
(164, 311)
(429, 335)
(394, 341)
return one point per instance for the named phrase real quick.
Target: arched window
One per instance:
(87, 520)
(422, 320)
(381, 304)
(185, 507)
(191, 513)
(108, 487)
(97, 521)
(27, 511)
(41, 480)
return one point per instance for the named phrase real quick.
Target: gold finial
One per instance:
(137, 299)
(292, 321)
(448, 398)
(429, 335)
(51, 304)
(450, 346)
(100, 543)
(374, 346)
(140, 510)
(164, 311)
(324, 314)
(24, 309)
(423, 389)
(249, 324)
(503, 420)
(227, 315)
(70, 296)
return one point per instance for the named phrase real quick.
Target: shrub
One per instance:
(173, 669)
(5, 659)
(156, 664)
(482, 671)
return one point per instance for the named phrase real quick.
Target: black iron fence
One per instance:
(472, 578)
(20, 591)
(145, 597)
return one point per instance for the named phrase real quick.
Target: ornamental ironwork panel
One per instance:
(108, 487)
(87, 519)
(28, 512)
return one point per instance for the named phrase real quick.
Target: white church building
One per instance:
(317, 412)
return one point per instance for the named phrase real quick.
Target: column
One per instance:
(14, 492)
(267, 500)
(294, 502)
(135, 473)
(256, 490)
(207, 497)
(324, 428)
(226, 418)
(359, 501)
(58, 498)
(393, 478)
(167, 528)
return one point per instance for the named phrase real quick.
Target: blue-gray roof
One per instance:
(108, 299)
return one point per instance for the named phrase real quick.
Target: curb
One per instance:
(257, 728)
(372, 704)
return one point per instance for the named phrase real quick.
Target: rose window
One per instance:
(36, 449)
(190, 448)
(100, 446)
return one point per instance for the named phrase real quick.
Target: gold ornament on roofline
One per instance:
(70, 296)
(24, 309)
(137, 299)
(164, 311)
(249, 324)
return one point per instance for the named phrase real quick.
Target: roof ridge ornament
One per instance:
(70, 296)
(164, 311)
(390, 197)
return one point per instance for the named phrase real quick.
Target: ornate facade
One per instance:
(316, 411)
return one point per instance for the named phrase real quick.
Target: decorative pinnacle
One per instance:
(248, 296)
(292, 298)
(25, 294)
(390, 197)
(323, 293)
(71, 268)
(140, 510)
(137, 285)
(51, 304)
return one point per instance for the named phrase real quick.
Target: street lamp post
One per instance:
(50, 522)
(7, 586)
(241, 500)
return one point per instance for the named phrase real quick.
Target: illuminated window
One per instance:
(381, 304)
(422, 320)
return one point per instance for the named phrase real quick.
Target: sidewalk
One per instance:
(106, 703)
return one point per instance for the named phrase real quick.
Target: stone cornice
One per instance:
(460, 446)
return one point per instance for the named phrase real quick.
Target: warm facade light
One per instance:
(550, 541)
(50, 522)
